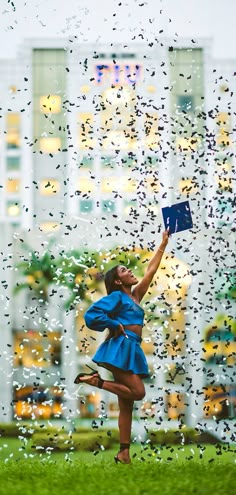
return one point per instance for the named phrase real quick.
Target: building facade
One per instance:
(95, 141)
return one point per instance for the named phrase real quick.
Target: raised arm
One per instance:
(142, 287)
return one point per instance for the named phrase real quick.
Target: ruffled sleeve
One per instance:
(99, 315)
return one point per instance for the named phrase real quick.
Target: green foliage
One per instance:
(79, 271)
(223, 323)
(38, 272)
(227, 282)
(13, 430)
(80, 441)
(183, 437)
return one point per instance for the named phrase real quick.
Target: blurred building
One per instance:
(95, 141)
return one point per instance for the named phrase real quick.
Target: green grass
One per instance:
(190, 470)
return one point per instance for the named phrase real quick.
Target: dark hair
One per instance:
(110, 278)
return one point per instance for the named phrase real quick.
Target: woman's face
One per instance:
(126, 276)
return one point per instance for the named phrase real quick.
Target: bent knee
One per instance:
(139, 394)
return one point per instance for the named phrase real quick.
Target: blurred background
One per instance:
(107, 115)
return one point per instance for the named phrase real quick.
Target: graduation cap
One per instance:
(177, 217)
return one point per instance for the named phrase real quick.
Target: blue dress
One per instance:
(123, 353)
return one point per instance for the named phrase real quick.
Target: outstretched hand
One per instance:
(165, 236)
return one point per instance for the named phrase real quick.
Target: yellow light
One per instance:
(13, 186)
(223, 139)
(86, 185)
(152, 141)
(127, 184)
(49, 187)
(50, 145)
(224, 183)
(13, 210)
(184, 144)
(117, 96)
(174, 274)
(49, 226)
(223, 118)
(109, 184)
(50, 104)
(188, 186)
(151, 89)
(85, 89)
(13, 120)
(12, 89)
(13, 131)
(152, 186)
(128, 208)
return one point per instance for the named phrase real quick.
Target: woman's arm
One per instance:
(98, 316)
(142, 287)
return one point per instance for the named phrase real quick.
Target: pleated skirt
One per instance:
(125, 354)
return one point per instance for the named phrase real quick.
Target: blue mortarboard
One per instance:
(177, 217)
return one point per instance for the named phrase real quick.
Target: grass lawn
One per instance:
(198, 470)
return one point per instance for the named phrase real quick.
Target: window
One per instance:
(129, 161)
(108, 161)
(48, 85)
(130, 207)
(32, 402)
(34, 349)
(86, 162)
(85, 184)
(85, 89)
(13, 208)
(119, 95)
(127, 184)
(13, 162)
(151, 161)
(186, 98)
(153, 185)
(86, 205)
(175, 405)
(109, 184)
(223, 130)
(219, 401)
(108, 206)
(185, 103)
(151, 89)
(50, 104)
(188, 186)
(49, 226)
(13, 186)
(224, 211)
(152, 136)
(50, 145)
(186, 144)
(86, 135)
(49, 187)
(116, 140)
(174, 373)
(90, 405)
(13, 130)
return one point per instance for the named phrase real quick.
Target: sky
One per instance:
(103, 21)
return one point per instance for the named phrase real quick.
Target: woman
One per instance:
(121, 354)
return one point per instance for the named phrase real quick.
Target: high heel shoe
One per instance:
(86, 377)
(123, 446)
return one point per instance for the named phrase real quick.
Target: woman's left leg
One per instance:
(125, 418)
(125, 425)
